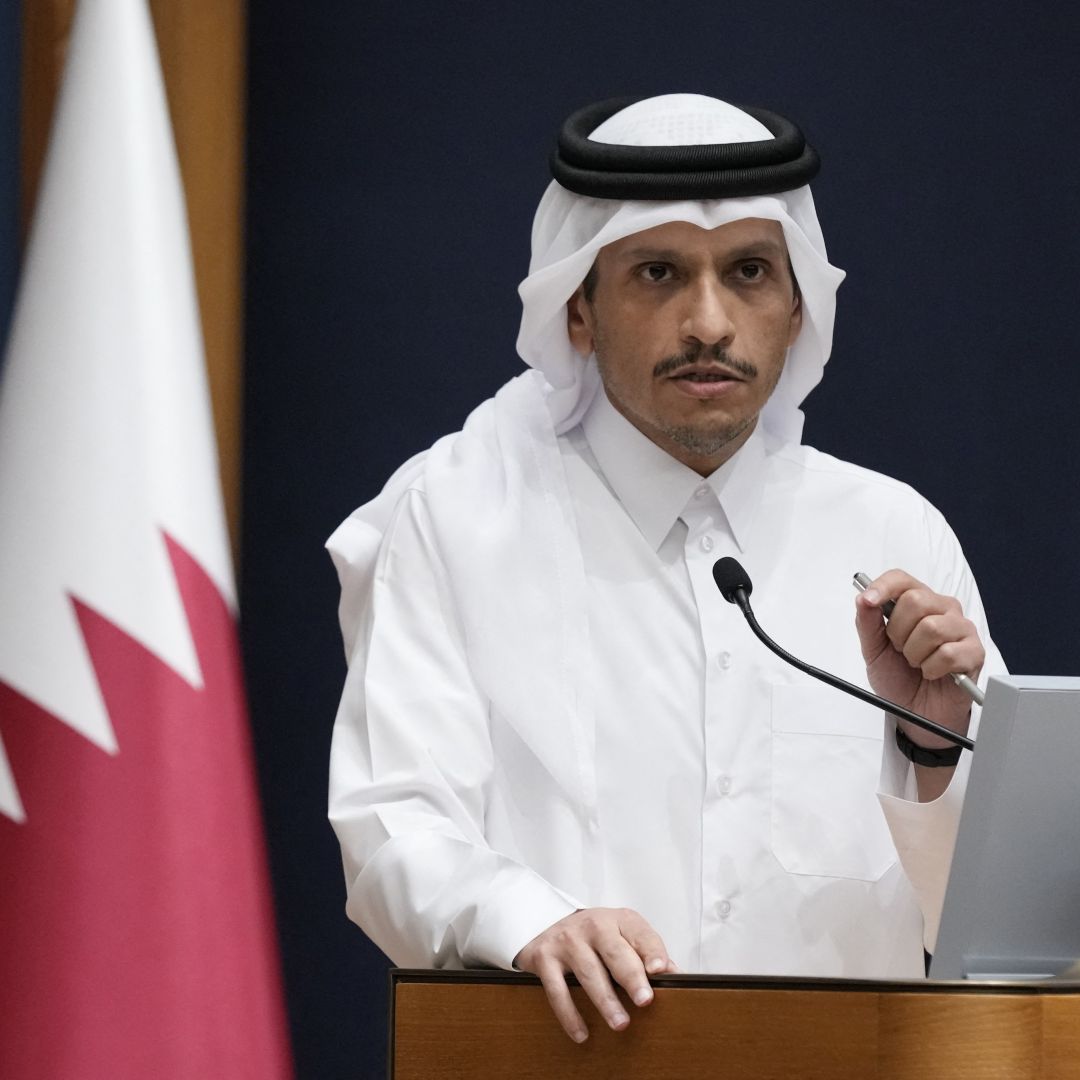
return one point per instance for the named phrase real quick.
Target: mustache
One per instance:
(694, 355)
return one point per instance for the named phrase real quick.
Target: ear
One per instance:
(796, 319)
(579, 322)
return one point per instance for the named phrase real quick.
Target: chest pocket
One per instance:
(826, 760)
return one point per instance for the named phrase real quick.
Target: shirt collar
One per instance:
(654, 488)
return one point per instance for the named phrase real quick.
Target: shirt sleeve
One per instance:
(410, 772)
(925, 833)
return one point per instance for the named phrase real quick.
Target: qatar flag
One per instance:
(136, 926)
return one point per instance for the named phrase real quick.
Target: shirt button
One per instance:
(724, 660)
(723, 785)
(701, 492)
(723, 909)
(706, 543)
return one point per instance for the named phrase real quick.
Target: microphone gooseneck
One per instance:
(735, 587)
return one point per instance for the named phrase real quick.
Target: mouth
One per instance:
(710, 375)
(705, 381)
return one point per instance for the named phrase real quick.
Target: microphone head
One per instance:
(730, 577)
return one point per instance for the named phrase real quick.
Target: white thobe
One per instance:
(761, 822)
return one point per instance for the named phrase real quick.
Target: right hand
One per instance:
(592, 943)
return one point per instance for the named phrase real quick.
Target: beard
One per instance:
(708, 437)
(705, 440)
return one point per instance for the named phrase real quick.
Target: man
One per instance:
(557, 748)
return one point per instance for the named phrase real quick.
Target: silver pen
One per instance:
(862, 581)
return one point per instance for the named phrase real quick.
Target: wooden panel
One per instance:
(684, 1034)
(1061, 1038)
(962, 1037)
(45, 33)
(202, 57)
(447, 1030)
(201, 43)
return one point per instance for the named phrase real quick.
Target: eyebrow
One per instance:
(747, 251)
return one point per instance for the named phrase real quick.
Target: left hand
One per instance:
(909, 659)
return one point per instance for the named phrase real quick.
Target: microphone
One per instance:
(735, 587)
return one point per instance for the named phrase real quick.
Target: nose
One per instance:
(707, 318)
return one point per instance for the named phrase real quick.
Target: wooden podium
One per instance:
(497, 1025)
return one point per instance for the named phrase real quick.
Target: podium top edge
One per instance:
(756, 982)
(1069, 683)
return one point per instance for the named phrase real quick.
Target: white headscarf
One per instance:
(570, 229)
(499, 506)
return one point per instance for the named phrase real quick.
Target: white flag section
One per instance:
(136, 926)
(105, 435)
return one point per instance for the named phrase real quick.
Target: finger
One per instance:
(626, 968)
(942, 644)
(594, 979)
(890, 585)
(646, 943)
(917, 602)
(875, 610)
(903, 600)
(553, 979)
(883, 591)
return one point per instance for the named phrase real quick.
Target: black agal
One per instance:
(709, 171)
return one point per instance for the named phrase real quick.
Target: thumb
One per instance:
(870, 626)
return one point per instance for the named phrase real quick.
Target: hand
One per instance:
(591, 943)
(909, 659)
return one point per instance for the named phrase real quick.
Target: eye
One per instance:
(752, 270)
(657, 273)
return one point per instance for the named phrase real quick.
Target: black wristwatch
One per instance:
(921, 755)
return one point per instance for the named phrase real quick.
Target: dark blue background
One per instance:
(396, 154)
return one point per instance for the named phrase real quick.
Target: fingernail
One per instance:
(872, 596)
(580, 1035)
(654, 965)
(618, 1019)
(643, 996)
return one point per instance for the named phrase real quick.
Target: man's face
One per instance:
(690, 328)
